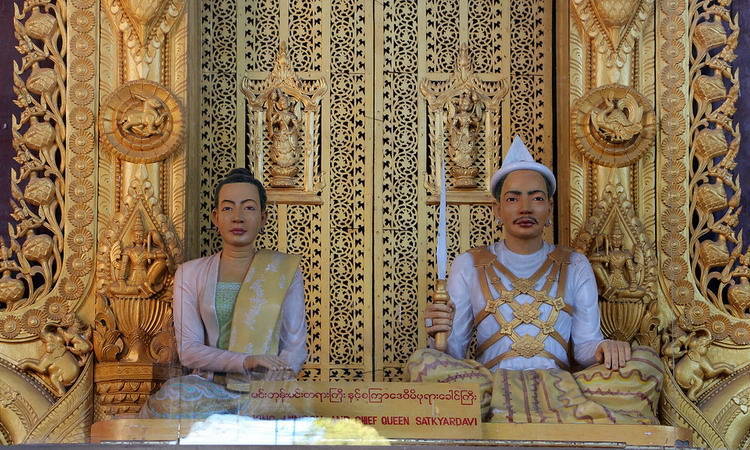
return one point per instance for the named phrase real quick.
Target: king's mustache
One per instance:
(526, 218)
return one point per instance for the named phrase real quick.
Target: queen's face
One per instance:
(238, 215)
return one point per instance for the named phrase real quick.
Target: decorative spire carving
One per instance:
(461, 109)
(288, 108)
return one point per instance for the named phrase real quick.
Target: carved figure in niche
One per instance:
(140, 268)
(533, 307)
(694, 368)
(615, 268)
(619, 120)
(457, 108)
(463, 126)
(64, 355)
(145, 120)
(289, 110)
(283, 130)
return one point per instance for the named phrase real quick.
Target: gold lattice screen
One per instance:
(367, 227)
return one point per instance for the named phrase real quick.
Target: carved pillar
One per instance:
(141, 199)
(612, 151)
(671, 215)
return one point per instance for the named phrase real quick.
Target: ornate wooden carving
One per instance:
(461, 109)
(352, 182)
(142, 122)
(623, 260)
(367, 236)
(145, 25)
(289, 110)
(142, 200)
(46, 267)
(613, 125)
(133, 328)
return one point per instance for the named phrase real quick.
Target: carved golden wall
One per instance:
(109, 151)
(141, 197)
(653, 143)
(99, 210)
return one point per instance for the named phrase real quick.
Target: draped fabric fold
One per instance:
(593, 395)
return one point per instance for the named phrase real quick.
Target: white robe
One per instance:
(581, 293)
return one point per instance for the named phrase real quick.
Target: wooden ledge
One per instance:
(565, 435)
(580, 433)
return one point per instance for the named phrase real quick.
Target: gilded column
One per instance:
(141, 219)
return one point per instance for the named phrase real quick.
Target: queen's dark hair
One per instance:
(240, 175)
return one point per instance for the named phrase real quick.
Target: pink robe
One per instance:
(197, 327)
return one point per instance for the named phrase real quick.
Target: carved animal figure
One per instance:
(146, 121)
(694, 368)
(58, 362)
(619, 120)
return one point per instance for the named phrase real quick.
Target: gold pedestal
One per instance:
(122, 388)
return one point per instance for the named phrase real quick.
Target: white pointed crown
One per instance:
(519, 158)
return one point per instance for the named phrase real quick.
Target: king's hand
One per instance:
(439, 316)
(614, 354)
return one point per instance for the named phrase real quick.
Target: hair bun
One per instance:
(240, 171)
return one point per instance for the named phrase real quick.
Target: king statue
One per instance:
(533, 307)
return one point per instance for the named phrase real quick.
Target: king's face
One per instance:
(524, 206)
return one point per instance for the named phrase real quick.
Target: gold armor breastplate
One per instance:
(527, 346)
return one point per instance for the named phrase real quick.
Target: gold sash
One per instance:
(258, 305)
